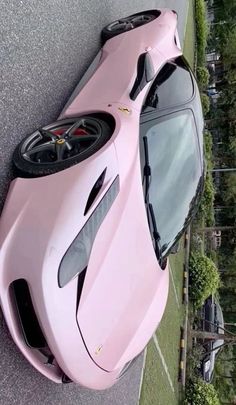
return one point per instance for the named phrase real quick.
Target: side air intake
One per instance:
(95, 191)
(30, 326)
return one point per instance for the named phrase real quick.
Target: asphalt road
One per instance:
(46, 45)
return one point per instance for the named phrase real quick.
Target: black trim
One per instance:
(153, 11)
(31, 329)
(158, 112)
(86, 236)
(65, 379)
(81, 279)
(95, 191)
(145, 74)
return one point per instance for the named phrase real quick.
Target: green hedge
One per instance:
(194, 358)
(205, 103)
(203, 77)
(201, 31)
(201, 393)
(208, 144)
(203, 277)
(206, 207)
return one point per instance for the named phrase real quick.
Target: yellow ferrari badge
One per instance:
(99, 349)
(60, 141)
(125, 110)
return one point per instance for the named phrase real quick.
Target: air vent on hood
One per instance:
(95, 191)
(76, 258)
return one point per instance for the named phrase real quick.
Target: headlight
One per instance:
(207, 366)
(77, 256)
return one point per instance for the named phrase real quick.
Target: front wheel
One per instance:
(60, 145)
(128, 23)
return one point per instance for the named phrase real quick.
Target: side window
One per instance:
(172, 86)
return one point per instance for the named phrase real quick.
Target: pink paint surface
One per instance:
(125, 291)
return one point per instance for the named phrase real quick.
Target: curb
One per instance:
(183, 331)
(185, 287)
(182, 359)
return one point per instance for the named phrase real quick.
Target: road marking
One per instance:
(163, 362)
(142, 374)
(176, 295)
(186, 20)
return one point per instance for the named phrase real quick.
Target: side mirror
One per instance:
(145, 73)
(175, 248)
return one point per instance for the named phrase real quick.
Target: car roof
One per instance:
(194, 104)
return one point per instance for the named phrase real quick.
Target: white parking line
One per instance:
(175, 291)
(185, 25)
(142, 374)
(163, 362)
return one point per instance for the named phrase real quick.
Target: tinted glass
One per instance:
(172, 86)
(175, 172)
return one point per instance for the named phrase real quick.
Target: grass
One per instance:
(156, 387)
(169, 330)
(201, 31)
(189, 42)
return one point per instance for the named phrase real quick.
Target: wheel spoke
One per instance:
(48, 146)
(74, 126)
(128, 23)
(87, 125)
(129, 26)
(83, 138)
(60, 149)
(118, 26)
(140, 20)
(45, 132)
(124, 25)
(68, 145)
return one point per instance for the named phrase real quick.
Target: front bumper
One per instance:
(70, 357)
(35, 356)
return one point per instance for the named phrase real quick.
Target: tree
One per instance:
(229, 48)
(227, 337)
(217, 228)
(229, 193)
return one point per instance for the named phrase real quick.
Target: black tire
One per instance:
(128, 23)
(25, 166)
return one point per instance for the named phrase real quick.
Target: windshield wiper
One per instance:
(150, 212)
(155, 234)
(146, 170)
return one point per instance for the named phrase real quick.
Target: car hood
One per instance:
(125, 291)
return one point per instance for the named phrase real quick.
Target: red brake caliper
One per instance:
(78, 131)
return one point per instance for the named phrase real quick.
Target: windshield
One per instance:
(175, 172)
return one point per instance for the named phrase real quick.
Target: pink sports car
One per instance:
(102, 196)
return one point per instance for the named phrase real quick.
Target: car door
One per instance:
(173, 87)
